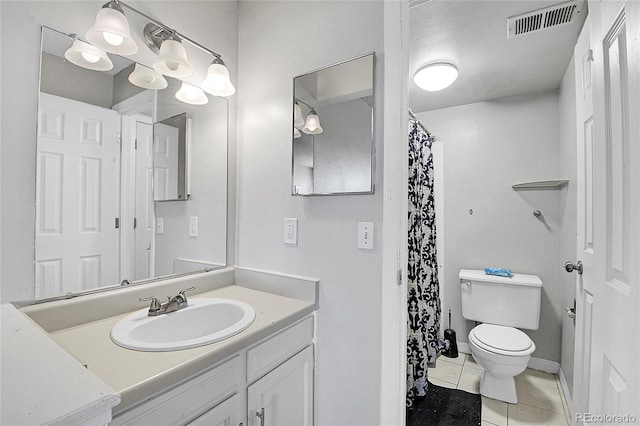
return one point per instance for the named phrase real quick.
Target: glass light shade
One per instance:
(191, 94)
(296, 133)
(218, 82)
(173, 60)
(312, 125)
(298, 121)
(111, 32)
(147, 78)
(434, 77)
(87, 56)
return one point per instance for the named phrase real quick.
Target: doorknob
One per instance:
(570, 267)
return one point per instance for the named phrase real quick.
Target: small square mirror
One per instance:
(333, 110)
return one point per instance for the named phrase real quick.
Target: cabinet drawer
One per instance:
(269, 354)
(187, 401)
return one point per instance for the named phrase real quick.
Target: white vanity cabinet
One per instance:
(284, 397)
(276, 374)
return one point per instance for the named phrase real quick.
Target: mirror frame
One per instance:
(373, 129)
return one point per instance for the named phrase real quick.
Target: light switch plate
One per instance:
(193, 226)
(291, 231)
(365, 235)
(160, 225)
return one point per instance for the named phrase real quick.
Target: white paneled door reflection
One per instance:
(76, 244)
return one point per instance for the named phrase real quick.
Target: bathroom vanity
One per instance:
(262, 375)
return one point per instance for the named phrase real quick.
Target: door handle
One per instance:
(570, 267)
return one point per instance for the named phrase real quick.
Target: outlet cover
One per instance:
(291, 231)
(365, 235)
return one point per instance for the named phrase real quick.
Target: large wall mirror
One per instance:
(131, 183)
(333, 129)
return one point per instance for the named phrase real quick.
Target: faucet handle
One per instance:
(187, 289)
(155, 303)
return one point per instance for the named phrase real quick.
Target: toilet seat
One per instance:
(502, 340)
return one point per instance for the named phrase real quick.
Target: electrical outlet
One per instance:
(160, 225)
(193, 226)
(365, 235)
(291, 231)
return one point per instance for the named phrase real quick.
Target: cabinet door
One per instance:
(224, 414)
(284, 397)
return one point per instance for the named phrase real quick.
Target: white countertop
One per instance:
(137, 375)
(43, 384)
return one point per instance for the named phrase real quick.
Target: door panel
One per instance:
(76, 243)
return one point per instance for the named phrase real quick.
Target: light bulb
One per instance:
(113, 39)
(173, 66)
(90, 57)
(434, 77)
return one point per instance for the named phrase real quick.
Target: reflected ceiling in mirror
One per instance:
(333, 129)
(97, 224)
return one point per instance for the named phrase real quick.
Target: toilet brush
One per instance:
(451, 350)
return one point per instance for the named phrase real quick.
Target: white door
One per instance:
(165, 162)
(76, 241)
(610, 247)
(284, 397)
(144, 206)
(585, 282)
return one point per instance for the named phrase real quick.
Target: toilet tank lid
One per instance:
(516, 279)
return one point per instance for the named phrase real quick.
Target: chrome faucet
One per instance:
(173, 304)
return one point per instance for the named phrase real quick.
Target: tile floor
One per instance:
(540, 396)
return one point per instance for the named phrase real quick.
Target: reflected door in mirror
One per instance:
(77, 196)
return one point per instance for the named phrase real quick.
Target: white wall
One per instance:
(212, 23)
(488, 147)
(277, 41)
(568, 211)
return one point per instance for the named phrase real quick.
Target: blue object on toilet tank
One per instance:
(501, 272)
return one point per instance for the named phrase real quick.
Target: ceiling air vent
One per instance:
(542, 19)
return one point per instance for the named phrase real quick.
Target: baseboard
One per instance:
(567, 394)
(544, 365)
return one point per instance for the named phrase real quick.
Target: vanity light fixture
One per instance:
(298, 121)
(312, 124)
(435, 77)
(87, 56)
(173, 59)
(147, 78)
(111, 30)
(218, 82)
(112, 33)
(191, 94)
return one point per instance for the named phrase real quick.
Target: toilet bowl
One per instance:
(501, 304)
(503, 353)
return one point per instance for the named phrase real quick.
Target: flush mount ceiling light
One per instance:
(147, 78)
(111, 30)
(191, 94)
(87, 56)
(218, 82)
(434, 77)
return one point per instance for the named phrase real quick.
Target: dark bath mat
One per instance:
(445, 407)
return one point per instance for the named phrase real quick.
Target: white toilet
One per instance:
(501, 304)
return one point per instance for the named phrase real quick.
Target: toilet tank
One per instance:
(512, 302)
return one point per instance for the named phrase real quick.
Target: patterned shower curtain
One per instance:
(423, 299)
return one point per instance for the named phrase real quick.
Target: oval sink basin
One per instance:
(203, 322)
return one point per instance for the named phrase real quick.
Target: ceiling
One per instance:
(472, 35)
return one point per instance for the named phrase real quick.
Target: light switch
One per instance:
(193, 226)
(365, 235)
(291, 231)
(160, 225)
